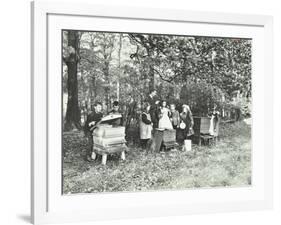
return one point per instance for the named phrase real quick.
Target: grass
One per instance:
(228, 163)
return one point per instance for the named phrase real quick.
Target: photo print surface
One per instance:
(151, 112)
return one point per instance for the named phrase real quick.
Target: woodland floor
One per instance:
(228, 163)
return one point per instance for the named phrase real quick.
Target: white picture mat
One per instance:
(191, 198)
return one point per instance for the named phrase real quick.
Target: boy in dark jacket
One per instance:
(154, 107)
(174, 116)
(116, 110)
(92, 119)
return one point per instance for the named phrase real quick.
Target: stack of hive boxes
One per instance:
(108, 139)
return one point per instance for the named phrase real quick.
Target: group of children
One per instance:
(155, 115)
(158, 115)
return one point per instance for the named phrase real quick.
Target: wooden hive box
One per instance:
(169, 135)
(201, 125)
(167, 138)
(108, 131)
(202, 129)
(113, 132)
(117, 148)
(107, 142)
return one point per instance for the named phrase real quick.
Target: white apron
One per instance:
(145, 129)
(165, 122)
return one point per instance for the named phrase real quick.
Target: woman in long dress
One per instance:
(164, 121)
(186, 125)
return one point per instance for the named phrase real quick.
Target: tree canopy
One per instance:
(126, 66)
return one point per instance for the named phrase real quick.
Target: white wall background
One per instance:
(15, 109)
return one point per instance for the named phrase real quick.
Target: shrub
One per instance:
(201, 97)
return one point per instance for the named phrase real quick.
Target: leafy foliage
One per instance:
(126, 66)
(211, 69)
(201, 97)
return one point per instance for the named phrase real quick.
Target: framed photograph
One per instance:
(140, 112)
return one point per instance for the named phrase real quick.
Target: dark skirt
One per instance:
(182, 134)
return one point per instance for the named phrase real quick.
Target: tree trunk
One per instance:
(151, 78)
(119, 68)
(107, 85)
(92, 92)
(72, 118)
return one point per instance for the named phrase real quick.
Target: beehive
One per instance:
(169, 135)
(201, 125)
(107, 142)
(108, 131)
(166, 138)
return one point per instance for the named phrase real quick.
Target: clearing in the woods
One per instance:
(228, 163)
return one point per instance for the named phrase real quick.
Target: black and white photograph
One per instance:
(140, 112)
(154, 112)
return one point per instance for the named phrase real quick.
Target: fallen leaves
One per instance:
(226, 164)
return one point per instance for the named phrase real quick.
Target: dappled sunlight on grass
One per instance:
(228, 163)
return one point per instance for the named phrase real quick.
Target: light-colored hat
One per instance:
(186, 106)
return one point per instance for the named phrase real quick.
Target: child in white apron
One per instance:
(145, 126)
(164, 121)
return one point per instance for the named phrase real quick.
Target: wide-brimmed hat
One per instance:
(186, 106)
